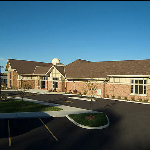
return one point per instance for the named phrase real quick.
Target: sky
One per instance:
(70, 30)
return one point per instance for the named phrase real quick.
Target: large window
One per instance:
(55, 83)
(138, 86)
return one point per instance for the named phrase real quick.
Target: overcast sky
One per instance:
(70, 30)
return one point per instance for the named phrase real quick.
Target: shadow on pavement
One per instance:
(21, 126)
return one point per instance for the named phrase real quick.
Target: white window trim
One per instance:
(138, 86)
(138, 94)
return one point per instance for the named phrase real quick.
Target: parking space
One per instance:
(129, 128)
(12, 129)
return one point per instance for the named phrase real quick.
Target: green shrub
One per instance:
(27, 86)
(107, 96)
(14, 87)
(140, 99)
(113, 96)
(132, 98)
(119, 97)
(85, 92)
(146, 100)
(69, 92)
(78, 93)
(125, 98)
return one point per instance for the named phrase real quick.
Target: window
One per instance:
(138, 86)
(43, 78)
(55, 78)
(55, 84)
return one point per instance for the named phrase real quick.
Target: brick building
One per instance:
(129, 78)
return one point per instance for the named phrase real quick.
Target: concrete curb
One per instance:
(83, 99)
(127, 101)
(87, 127)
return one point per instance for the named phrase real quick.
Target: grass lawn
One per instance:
(12, 106)
(90, 119)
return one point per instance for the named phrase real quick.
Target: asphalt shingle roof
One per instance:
(42, 69)
(85, 69)
(26, 67)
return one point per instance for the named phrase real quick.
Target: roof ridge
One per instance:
(122, 60)
(30, 61)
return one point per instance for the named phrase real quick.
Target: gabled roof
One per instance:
(25, 67)
(85, 69)
(60, 69)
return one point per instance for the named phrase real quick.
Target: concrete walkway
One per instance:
(63, 113)
(41, 91)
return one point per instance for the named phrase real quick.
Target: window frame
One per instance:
(136, 85)
(55, 80)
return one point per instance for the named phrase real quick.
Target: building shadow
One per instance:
(21, 126)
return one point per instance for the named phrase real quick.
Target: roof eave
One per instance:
(128, 75)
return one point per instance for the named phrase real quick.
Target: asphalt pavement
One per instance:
(129, 128)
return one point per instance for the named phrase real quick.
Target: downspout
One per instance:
(104, 90)
(107, 89)
(113, 86)
(47, 83)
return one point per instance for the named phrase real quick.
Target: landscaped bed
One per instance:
(90, 119)
(13, 105)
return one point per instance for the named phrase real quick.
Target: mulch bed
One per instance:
(90, 117)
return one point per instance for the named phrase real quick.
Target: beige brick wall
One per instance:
(49, 85)
(82, 86)
(61, 86)
(46, 84)
(8, 80)
(18, 84)
(30, 82)
(36, 84)
(123, 91)
(14, 76)
(14, 79)
(118, 90)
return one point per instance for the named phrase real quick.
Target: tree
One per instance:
(90, 89)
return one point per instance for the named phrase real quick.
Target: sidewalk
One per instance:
(63, 113)
(42, 91)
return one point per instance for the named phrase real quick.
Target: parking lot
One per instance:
(129, 128)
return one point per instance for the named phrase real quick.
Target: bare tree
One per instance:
(90, 90)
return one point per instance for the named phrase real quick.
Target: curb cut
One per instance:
(87, 127)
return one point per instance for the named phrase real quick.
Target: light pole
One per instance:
(0, 81)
